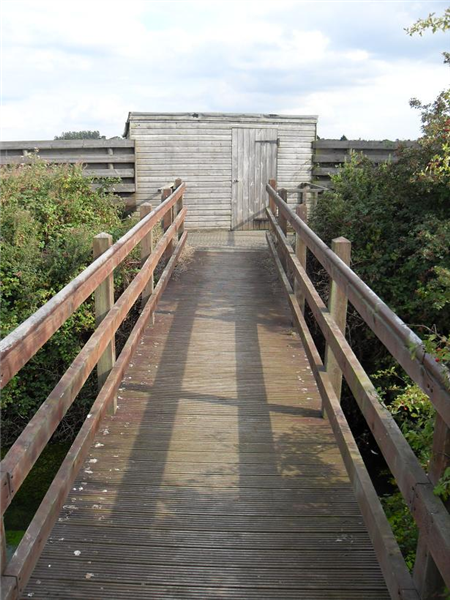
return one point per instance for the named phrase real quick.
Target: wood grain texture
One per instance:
(429, 512)
(217, 477)
(95, 155)
(331, 154)
(202, 150)
(29, 550)
(254, 161)
(396, 574)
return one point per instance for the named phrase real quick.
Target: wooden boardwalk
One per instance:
(217, 477)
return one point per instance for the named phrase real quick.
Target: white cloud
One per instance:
(380, 109)
(85, 64)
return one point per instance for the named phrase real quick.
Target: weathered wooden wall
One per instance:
(102, 158)
(329, 154)
(198, 148)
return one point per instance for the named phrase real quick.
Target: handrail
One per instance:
(22, 455)
(404, 345)
(24, 560)
(416, 486)
(20, 345)
(34, 332)
(393, 566)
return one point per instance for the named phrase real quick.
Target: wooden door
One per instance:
(254, 162)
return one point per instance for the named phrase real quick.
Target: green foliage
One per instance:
(48, 219)
(435, 24)
(403, 526)
(28, 498)
(412, 410)
(415, 416)
(397, 216)
(80, 135)
(431, 22)
(442, 488)
(434, 145)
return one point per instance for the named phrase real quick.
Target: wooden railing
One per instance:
(18, 347)
(416, 486)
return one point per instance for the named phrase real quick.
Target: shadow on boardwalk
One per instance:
(217, 478)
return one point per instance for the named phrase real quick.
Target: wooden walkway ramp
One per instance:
(217, 477)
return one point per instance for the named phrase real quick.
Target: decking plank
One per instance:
(217, 477)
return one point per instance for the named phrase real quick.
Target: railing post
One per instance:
(179, 206)
(305, 195)
(272, 205)
(167, 220)
(282, 221)
(146, 250)
(309, 196)
(337, 305)
(3, 546)
(314, 197)
(426, 575)
(104, 300)
(300, 251)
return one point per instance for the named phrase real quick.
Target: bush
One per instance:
(49, 216)
(397, 216)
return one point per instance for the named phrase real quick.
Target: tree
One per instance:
(397, 215)
(435, 24)
(49, 214)
(80, 135)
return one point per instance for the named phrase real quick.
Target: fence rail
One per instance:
(17, 348)
(429, 512)
(330, 154)
(101, 158)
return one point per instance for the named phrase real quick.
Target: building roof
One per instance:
(213, 116)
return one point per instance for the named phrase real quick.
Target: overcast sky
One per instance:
(84, 64)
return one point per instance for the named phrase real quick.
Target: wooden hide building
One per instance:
(225, 159)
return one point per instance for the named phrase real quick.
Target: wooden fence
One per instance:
(102, 158)
(19, 346)
(329, 154)
(416, 486)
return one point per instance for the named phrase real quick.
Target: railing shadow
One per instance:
(218, 479)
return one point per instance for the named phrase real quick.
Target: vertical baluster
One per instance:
(167, 221)
(337, 306)
(300, 251)
(272, 205)
(282, 221)
(146, 250)
(3, 546)
(179, 207)
(306, 195)
(104, 300)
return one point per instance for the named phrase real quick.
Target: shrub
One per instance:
(49, 215)
(397, 216)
